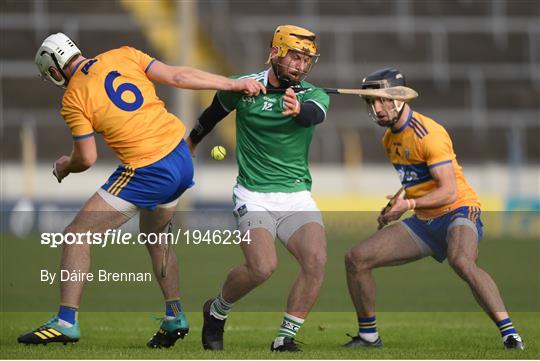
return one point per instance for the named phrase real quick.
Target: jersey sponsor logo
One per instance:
(412, 174)
(407, 176)
(269, 99)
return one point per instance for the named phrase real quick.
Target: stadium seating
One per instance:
(475, 64)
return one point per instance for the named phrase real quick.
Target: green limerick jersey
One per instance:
(271, 149)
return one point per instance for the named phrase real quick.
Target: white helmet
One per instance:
(56, 51)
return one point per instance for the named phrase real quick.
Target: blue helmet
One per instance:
(384, 78)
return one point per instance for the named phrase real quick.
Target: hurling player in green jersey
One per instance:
(272, 198)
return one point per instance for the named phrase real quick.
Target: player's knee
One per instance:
(314, 263)
(355, 261)
(76, 236)
(262, 272)
(73, 229)
(463, 266)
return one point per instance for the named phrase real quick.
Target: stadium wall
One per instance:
(335, 187)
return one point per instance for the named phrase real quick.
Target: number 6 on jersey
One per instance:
(115, 95)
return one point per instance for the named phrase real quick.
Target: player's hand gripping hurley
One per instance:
(387, 208)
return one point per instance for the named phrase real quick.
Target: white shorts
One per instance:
(280, 213)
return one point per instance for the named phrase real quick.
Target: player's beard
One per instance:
(388, 123)
(282, 72)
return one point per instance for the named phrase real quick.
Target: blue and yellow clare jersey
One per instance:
(419, 145)
(111, 95)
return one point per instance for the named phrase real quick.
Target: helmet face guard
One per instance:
(384, 79)
(398, 108)
(290, 38)
(282, 68)
(56, 51)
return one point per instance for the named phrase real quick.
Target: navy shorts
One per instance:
(433, 232)
(158, 183)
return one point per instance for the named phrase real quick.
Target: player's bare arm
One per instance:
(83, 156)
(445, 193)
(191, 78)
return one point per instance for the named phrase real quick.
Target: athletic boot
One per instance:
(514, 343)
(213, 328)
(358, 341)
(288, 345)
(51, 331)
(169, 332)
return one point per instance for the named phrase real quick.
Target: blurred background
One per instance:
(475, 65)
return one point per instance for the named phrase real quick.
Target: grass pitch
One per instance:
(415, 335)
(419, 291)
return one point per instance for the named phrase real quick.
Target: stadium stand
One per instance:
(475, 64)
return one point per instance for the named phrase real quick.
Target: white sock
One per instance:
(369, 337)
(64, 324)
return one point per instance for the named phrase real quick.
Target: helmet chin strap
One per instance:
(55, 61)
(66, 80)
(387, 123)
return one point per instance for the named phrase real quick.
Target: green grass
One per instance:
(414, 335)
(422, 286)
(410, 299)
